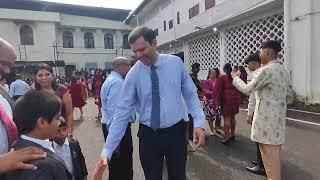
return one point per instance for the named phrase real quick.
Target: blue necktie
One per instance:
(155, 111)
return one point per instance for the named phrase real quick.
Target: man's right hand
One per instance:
(249, 119)
(101, 165)
(14, 160)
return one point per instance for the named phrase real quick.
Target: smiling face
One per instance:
(44, 78)
(145, 51)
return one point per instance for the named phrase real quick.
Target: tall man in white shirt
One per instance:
(120, 165)
(154, 86)
(253, 61)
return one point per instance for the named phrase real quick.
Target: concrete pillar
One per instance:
(302, 47)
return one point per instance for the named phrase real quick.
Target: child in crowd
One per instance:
(36, 115)
(69, 150)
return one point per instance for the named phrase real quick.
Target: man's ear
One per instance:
(42, 123)
(154, 43)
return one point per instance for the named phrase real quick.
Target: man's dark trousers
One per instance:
(121, 163)
(169, 143)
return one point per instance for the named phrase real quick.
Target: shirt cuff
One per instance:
(106, 153)
(199, 123)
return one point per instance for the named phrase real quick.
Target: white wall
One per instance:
(303, 47)
(41, 50)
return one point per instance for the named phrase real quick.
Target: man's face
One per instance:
(124, 69)
(144, 51)
(7, 58)
(50, 130)
(62, 135)
(265, 55)
(252, 65)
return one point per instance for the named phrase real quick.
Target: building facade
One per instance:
(214, 32)
(75, 40)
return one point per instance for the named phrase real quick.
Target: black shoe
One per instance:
(225, 141)
(256, 170)
(254, 162)
(232, 138)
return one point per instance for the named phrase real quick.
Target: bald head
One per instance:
(121, 65)
(7, 56)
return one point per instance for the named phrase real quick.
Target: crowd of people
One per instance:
(158, 93)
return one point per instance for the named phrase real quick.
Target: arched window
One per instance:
(125, 42)
(67, 39)
(26, 35)
(88, 40)
(108, 41)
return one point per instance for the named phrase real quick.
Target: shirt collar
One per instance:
(157, 64)
(116, 74)
(44, 143)
(66, 143)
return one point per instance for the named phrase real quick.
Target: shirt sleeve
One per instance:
(261, 79)
(189, 93)
(122, 115)
(251, 104)
(11, 90)
(114, 97)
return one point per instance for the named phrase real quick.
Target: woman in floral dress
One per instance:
(211, 108)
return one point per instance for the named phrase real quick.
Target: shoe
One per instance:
(254, 162)
(232, 138)
(219, 135)
(211, 133)
(225, 141)
(256, 170)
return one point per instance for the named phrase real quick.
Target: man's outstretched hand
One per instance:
(101, 165)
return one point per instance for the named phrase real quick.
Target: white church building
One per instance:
(69, 36)
(213, 32)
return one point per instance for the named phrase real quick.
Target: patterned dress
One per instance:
(211, 108)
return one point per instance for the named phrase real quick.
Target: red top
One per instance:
(227, 95)
(60, 91)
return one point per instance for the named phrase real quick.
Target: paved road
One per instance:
(301, 159)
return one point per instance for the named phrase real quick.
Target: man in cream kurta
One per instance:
(273, 89)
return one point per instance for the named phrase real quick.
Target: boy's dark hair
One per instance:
(33, 105)
(147, 33)
(195, 66)
(253, 57)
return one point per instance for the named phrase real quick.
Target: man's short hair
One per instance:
(33, 105)
(271, 44)
(147, 33)
(252, 57)
(119, 61)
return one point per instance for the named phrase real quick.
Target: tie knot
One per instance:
(153, 67)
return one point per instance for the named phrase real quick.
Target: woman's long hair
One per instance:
(216, 72)
(44, 66)
(227, 68)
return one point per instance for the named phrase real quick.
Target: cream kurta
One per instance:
(273, 91)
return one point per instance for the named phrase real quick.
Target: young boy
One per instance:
(37, 118)
(69, 150)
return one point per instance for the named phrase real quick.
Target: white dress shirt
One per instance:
(44, 143)
(64, 153)
(4, 145)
